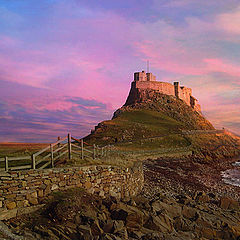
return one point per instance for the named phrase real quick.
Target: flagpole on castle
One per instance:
(147, 66)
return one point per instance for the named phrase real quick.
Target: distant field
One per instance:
(20, 149)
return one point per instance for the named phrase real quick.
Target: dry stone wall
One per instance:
(23, 191)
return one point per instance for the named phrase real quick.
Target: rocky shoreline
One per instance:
(188, 175)
(181, 199)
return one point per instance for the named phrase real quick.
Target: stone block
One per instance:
(10, 196)
(98, 181)
(7, 214)
(40, 193)
(47, 181)
(54, 187)
(24, 183)
(34, 195)
(87, 185)
(20, 204)
(26, 203)
(33, 200)
(11, 205)
(62, 184)
(101, 193)
(47, 190)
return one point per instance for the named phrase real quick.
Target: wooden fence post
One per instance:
(82, 148)
(6, 163)
(52, 161)
(94, 151)
(69, 146)
(59, 145)
(33, 162)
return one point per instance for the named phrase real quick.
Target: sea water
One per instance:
(232, 176)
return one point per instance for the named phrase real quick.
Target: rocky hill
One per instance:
(148, 113)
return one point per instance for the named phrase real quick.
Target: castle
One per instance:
(143, 80)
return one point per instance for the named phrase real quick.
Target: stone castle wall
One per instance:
(23, 191)
(162, 87)
(142, 81)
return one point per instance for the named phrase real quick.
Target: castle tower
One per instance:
(177, 89)
(143, 76)
(151, 77)
(140, 76)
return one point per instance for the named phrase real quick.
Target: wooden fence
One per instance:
(47, 157)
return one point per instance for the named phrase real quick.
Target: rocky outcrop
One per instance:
(166, 215)
(169, 105)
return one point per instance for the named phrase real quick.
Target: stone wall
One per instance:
(162, 87)
(23, 191)
(176, 90)
(185, 94)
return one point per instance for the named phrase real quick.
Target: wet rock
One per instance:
(228, 203)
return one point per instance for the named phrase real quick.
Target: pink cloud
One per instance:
(218, 65)
(230, 21)
(170, 57)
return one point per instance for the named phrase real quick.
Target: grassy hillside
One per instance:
(135, 125)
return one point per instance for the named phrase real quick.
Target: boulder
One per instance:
(11, 205)
(190, 213)
(228, 203)
(160, 223)
(171, 209)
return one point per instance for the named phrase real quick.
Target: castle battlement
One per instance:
(143, 80)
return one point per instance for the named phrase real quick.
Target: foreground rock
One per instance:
(166, 215)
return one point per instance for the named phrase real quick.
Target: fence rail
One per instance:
(47, 156)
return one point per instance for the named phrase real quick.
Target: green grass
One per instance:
(150, 120)
(135, 125)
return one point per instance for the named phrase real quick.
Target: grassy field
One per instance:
(20, 149)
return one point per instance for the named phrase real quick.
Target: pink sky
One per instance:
(66, 65)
